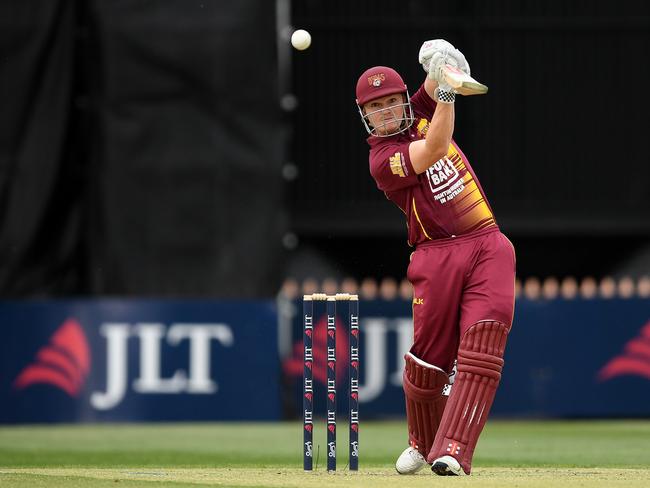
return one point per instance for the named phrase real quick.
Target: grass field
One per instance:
(510, 454)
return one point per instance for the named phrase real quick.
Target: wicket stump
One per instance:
(308, 385)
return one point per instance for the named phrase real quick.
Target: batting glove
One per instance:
(461, 62)
(444, 93)
(437, 64)
(428, 49)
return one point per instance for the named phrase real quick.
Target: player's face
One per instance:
(385, 114)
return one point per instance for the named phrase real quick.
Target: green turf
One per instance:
(229, 454)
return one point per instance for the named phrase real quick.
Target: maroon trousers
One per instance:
(458, 282)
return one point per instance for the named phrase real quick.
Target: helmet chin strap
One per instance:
(405, 121)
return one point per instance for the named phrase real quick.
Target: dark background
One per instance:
(559, 143)
(183, 148)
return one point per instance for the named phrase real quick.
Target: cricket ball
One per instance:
(301, 39)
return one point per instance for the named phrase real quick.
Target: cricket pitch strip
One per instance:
(295, 477)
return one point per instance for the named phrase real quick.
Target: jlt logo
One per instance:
(150, 380)
(354, 416)
(309, 417)
(309, 421)
(309, 325)
(354, 353)
(331, 418)
(354, 322)
(331, 356)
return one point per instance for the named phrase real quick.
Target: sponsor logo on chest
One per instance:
(444, 180)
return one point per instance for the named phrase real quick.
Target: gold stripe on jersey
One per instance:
(415, 211)
(454, 157)
(472, 209)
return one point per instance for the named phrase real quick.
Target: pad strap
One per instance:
(425, 401)
(480, 361)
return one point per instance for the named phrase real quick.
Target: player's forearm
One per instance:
(430, 87)
(441, 128)
(435, 145)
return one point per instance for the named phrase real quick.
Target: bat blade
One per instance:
(463, 83)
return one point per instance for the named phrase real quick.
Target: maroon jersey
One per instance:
(446, 200)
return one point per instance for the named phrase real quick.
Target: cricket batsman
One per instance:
(462, 269)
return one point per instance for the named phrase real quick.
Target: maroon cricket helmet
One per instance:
(377, 82)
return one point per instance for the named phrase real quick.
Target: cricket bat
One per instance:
(462, 83)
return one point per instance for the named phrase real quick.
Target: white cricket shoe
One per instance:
(447, 466)
(410, 461)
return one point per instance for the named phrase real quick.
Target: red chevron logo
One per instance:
(634, 361)
(331, 396)
(331, 428)
(331, 333)
(355, 396)
(355, 332)
(63, 363)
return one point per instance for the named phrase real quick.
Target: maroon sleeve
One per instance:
(423, 104)
(390, 166)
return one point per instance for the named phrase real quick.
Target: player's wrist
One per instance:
(444, 95)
